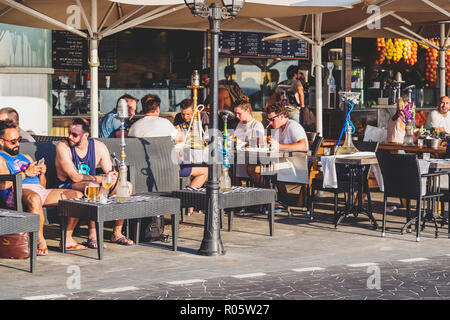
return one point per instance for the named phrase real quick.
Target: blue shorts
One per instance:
(185, 172)
(66, 185)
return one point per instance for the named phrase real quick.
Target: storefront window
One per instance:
(257, 77)
(24, 47)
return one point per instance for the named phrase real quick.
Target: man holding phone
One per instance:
(34, 193)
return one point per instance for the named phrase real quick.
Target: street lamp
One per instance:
(212, 243)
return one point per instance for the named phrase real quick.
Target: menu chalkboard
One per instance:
(250, 44)
(71, 52)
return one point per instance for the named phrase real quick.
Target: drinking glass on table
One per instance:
(107, 181)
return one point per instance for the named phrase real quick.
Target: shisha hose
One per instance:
(347, 121)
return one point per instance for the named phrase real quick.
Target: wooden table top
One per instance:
(415, 149)
(359, 160)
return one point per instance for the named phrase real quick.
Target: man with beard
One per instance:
(76, 160)
(34, 193)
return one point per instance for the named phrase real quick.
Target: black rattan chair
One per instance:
(402, 179)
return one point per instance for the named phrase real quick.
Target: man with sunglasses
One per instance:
(34, 193)
(287, 134)
(76, 160)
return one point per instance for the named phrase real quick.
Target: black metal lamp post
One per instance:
(212, 243)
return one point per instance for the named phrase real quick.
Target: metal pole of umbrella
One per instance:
(318, 71)
(442, 80)
(94, 63)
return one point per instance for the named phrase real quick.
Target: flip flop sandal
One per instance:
(123, 241)
(92, 244)
(42, 252)
(76, 247)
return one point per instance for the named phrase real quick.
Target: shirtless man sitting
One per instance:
(76, 160)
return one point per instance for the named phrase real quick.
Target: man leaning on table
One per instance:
(286, 134)
(77, 158)
(439, 120)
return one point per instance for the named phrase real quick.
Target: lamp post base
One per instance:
(211, 247)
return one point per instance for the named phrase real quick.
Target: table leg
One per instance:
(63, 233)
(419, 205)
(33, 249)
(271, 218)
(174, 232)
(383, 228)
(99, 231)
(137, 230)
(230, 220)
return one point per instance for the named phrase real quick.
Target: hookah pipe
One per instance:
(226, 157)
(347, 122)
(407, 113)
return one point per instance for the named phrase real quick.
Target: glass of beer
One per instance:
(92, 191)
(107, 181)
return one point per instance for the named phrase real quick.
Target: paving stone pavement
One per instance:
(155, 272)
(398, 280)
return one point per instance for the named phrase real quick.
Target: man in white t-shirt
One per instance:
(439, 120)
(291, 135)
(152, 125)
(286, 135)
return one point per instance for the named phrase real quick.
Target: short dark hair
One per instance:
(186, 103)
(83, 122)
(6, 124)
(127, 96)
(278, 109)
(229, 70)
(11, 113)
(150, 102)
(292, 71)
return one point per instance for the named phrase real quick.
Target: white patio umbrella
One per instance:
(412, 19)
(102, 18)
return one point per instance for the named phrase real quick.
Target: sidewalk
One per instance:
(297, 243)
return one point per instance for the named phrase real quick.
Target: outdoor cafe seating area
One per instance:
(352, 180)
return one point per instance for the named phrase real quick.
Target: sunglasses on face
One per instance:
(13, 141)
(271, 119)
(74, 134)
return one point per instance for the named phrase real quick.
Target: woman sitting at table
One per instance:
(396, 128)
(249, 132)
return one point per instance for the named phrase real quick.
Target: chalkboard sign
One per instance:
(70, 53)
(250, 44)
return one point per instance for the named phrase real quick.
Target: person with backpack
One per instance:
(290, 93)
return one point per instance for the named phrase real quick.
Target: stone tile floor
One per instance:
(153, 271)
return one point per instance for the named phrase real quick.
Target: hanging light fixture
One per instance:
(233, 6)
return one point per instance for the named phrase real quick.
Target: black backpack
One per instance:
(153, 229)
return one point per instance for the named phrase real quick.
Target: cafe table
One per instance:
(355, 162)
(411, 149)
